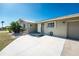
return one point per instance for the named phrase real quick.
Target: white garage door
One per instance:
(73, 30)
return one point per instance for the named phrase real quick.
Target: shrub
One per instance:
(15, 27)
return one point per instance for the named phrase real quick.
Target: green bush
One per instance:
(15, 27)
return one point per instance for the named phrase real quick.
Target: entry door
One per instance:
(73, 30)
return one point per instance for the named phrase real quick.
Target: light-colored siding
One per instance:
(28, 28)
(22, 24)
(47, 29)
(39, 27)
(59, 29)
(33, 28)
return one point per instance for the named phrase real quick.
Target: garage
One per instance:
(73, 30)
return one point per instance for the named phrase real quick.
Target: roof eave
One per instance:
(61, 18)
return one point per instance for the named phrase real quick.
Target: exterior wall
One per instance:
(39, 27)
(22, 24)
(33, 28)
(29, 28)
(47, 29)
(59, 29)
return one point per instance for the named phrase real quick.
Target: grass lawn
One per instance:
(5, 39)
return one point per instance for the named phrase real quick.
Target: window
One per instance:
(30, 25)
(50, 24)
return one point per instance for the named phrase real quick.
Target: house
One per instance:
(29, 26)
(66, 26)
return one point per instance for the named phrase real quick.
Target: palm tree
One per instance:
(2, 23)
(15, 27)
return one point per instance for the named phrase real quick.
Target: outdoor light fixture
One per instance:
(63, 22)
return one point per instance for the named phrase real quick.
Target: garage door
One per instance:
(73, 30)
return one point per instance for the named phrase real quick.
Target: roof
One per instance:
(63, 17)
(52, 19)
(24, 20)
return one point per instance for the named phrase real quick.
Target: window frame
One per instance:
(51, 25)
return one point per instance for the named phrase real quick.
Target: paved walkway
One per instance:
(34, 46)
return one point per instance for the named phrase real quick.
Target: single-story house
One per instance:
(66, 26)
(29, 26)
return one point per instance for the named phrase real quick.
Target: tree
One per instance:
(2, 23)
(15, 27)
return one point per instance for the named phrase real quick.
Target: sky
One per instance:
(35, 11)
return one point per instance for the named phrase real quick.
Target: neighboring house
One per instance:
(67, 26)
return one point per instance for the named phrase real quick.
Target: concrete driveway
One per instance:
(28, 45)
(71, 48)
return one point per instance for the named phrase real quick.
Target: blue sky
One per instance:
(35, 12)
